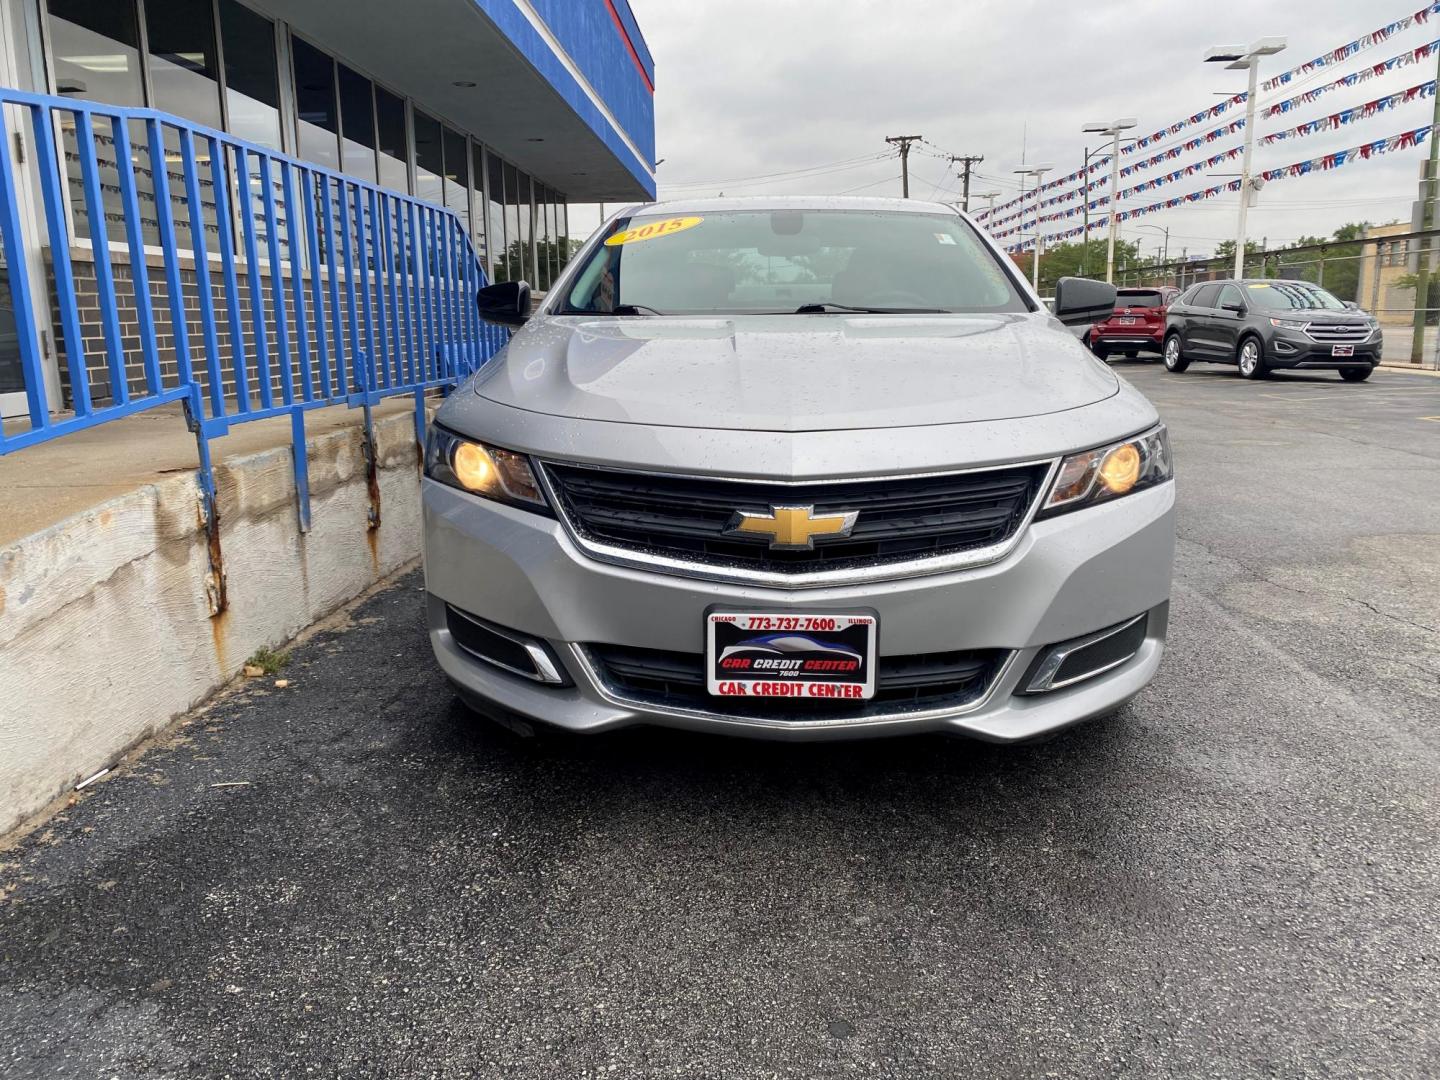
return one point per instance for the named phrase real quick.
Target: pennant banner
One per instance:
(1094, 167)
(1349, 116)
(1360, 44)
(1334, 56)
(1190, 144)
(1406, 140)
(1181, 125)
(1424, 52)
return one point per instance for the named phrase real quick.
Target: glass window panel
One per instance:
(495, 211)
(319, 123)
(525, 199)
(515, 247)
(390, 132)
(457, 176)
(478, 214)
(544, 257)
(557, 258)
(95, 44)
(252, 86)
(429, 159)
(183, 67)
(564, 219)
(357, 124)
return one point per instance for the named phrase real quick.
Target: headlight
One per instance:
(1109, 472)
(488, 471)
(1289, 324)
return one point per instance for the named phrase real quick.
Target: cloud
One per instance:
(749, 87)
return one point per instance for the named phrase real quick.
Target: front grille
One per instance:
(686, 517)
(921, 681)
(1343, 333)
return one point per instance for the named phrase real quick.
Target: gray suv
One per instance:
(1263, 324)
(798, 469)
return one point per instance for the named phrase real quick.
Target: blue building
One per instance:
(500, 111)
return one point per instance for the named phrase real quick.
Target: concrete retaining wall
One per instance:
(105, 634)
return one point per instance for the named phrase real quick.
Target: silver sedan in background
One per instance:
(798, 468)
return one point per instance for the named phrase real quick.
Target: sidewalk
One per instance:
(45, 484)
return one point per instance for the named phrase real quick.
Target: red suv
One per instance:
(1137, 325)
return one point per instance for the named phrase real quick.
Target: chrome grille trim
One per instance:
(1333, 334)
(886, 571)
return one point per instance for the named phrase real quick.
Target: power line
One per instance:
(833, 166)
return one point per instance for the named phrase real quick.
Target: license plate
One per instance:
(1342, 350)
(1127, 320)
(811, 656)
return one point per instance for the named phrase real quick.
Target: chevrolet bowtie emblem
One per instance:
(792, 528)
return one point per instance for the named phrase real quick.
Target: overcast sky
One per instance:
(751, 87)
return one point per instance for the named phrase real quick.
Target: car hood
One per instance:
(796, 372)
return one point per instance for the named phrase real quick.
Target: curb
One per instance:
(1411, 369)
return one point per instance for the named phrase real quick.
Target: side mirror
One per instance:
(1080, 300)
(1238, 309)
(1351, 305)
(507, 303)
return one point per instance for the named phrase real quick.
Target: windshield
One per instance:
(1291, 296)
(791, 261)
(1139, 299)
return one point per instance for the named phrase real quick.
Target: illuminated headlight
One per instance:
(487, 471)
(1109, 472)
(1289, 324)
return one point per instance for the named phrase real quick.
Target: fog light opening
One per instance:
(509, 650)
(1078, 659)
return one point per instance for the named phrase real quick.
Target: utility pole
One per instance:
(965, 161)
(903, 142)
(1427, 222)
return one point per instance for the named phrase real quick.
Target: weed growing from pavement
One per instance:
(269, 661)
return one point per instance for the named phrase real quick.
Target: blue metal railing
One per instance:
(279, 286)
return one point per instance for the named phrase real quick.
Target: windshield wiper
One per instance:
(634, 309)
(821, 308)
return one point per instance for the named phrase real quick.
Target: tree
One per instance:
(1333, 263)
(1078, 260)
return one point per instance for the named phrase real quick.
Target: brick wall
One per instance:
(93, 335)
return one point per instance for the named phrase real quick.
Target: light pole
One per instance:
(1113, 129)
(1238, 58)
(989, 197)
(1037, 171)
(1165, 256)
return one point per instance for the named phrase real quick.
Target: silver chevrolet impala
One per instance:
(799, 469)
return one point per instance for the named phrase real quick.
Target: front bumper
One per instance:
(1067, 576)
(1296, 349)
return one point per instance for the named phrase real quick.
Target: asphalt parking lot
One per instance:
(1238, 875)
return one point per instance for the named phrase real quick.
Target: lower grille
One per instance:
(900, 518)
(915, 683)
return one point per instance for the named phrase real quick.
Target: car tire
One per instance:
(1099, 350)
(1250, 359)
(1173, 355)
(1355, 374)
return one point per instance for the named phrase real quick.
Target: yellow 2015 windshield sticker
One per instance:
(653, 230)
(1261, 285)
